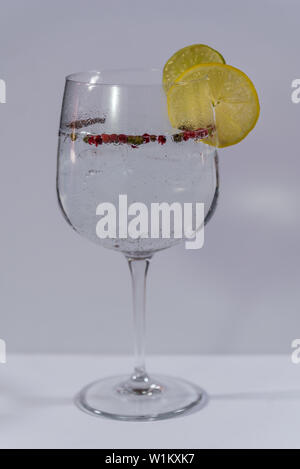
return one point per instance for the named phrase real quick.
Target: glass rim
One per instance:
(95, 78)
(98, 77)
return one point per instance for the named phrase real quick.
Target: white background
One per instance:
(58, 292)
(253, 404)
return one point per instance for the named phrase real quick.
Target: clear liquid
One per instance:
(184, 172)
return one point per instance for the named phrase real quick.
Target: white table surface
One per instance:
(254, 403)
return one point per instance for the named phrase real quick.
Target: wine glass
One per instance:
(116, 139)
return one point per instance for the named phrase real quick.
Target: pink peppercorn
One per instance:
(162, 139)
(202, 133)
(98, 140)
(113, 138)
(106, 138)
(146, 138)
(122, 138)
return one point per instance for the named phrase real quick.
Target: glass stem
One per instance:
(139, 270)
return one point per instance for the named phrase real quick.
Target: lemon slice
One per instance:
(186, 58)
(214, 94)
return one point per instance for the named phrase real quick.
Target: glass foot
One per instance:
(148, 399)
